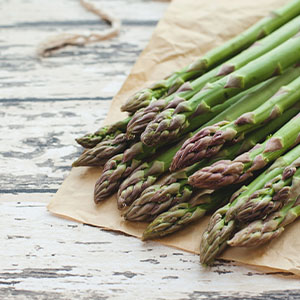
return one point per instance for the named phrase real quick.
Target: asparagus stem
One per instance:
(260, 29)
(213, 57)
(223, 223)
(172, 121)
(227, 172)
(175, 188)
(142, 178)
(134, 156)
(209, 140)
(142, 117)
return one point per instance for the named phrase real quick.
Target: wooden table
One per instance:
(45, 104)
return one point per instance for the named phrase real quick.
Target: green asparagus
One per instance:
(118, 168)
(110, 179)
(175, 188)
(272, 196)
(142, 117)
(208, 141)
(223, 223)
(263, 230)
(180, 215)
(144, 176)
(169, 123)
(227, 172)
(98, 155)
(214, 57)
(105, 133)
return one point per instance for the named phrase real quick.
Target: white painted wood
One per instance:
(40, 153)
(44, 105)
(45, 254)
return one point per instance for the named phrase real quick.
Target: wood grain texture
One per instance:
(45, 104)
(83, 261)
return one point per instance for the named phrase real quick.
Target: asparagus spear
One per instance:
(173, 220)
(105, 133)
(227, 172)
(118, 168)
(144, 176)
(172, 121)
(213, 57)
(115, 170)
(103, 186)
(142, 117)
(180, 215)
(158, 198)
(175, 188)
(158, 90)
(263, 230)
(272, 196)
(223, 223)
(132, 187)
(202, 119)
(103, 151)
(208, 141)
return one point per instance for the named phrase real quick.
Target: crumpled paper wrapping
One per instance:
(188, 29)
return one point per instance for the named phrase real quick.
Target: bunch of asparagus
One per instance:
(192, 139)
(270, 202)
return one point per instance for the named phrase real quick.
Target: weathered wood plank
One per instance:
(96, 70)
(62, 258)
(40, 154)
(71, 10)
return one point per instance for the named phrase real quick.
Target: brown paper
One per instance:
(188, 29)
